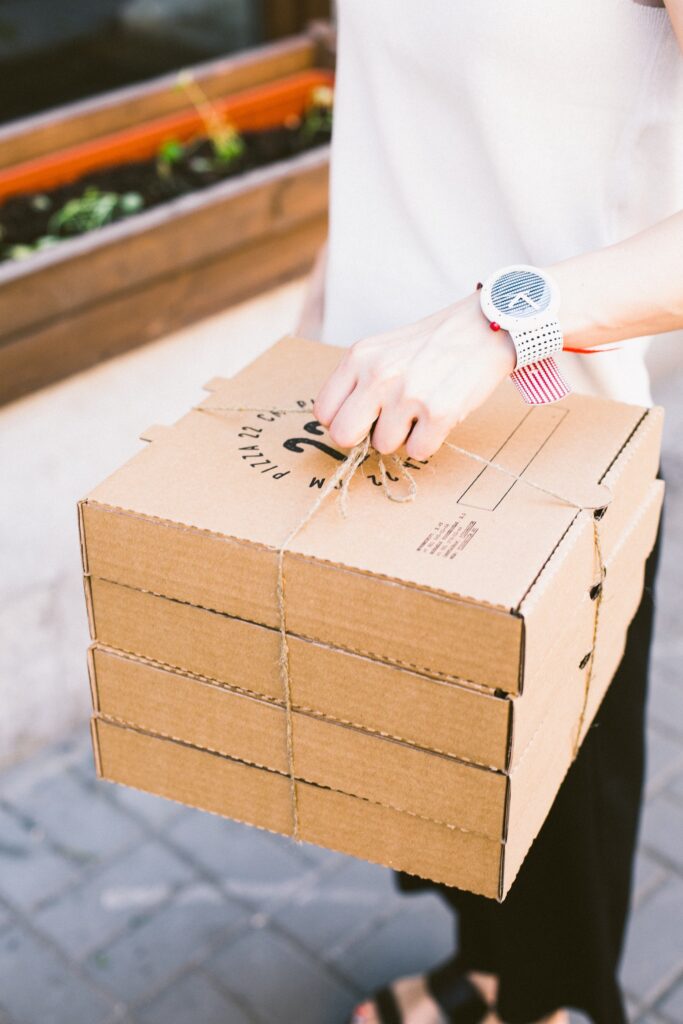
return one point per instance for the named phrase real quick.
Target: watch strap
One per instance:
(542, 338)
(536, 376)
(541, 382)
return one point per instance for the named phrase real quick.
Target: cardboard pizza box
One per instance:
(470, 582)
(222, 750)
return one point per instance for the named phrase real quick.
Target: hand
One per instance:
(417, 382)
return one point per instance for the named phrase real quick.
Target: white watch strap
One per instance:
(538, 341)
(537, 376)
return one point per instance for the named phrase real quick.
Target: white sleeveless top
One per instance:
(469, 135)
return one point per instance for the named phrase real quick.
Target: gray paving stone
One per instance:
(669, 596)
(152, 810)
(648, 875)
(655, 1018)
(37, 987)
(193, 999)
(21, 779)
(662, 828)
(138, 963)
(279, 982)
(246, 860)
(326, 915)
(664, 757)
(83, 762)
(5, 916)
(113, 899)
(317, 855)
(665, 704)
(30, 870)
(674, 788)
(75, 815)
(631, 1008)
(653, 945)
(672, 1003)
(418, 936)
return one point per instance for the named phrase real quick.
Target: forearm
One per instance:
(626, 290)
(411, 385)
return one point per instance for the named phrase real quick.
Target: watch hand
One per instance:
(525, 297)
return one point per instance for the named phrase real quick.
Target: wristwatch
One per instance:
(524, 300)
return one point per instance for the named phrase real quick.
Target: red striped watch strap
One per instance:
(541, 382)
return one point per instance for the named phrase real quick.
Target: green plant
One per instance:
(200, 165)
(130, 202)
(93, 210)
(17, 253)
(226, 142)
(41, 202)
(228, 148)
(171, 152)
(46, 242)
(318, 116)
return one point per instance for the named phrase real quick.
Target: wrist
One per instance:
(524, 300)
(498, 345)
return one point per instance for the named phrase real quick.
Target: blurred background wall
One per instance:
(53, 52)
(56, 443)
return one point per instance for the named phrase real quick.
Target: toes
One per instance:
(364, 1014)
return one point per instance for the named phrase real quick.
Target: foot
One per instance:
(418, 1007)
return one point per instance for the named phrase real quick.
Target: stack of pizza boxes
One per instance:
(408, 682)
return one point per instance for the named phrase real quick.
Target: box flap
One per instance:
(254, 476)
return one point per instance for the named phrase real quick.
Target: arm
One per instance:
(425, 378)
(627, 290)
(675, 9)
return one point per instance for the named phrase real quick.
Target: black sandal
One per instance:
(458, 999)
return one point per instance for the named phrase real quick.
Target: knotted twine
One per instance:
(341, 480)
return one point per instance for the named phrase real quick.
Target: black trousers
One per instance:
(557, 939)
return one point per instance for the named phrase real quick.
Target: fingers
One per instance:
(392, 428)
(427, 436)
(335, 391)
(355, 417)
(371, 386)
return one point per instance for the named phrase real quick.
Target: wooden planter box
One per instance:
(102, 293)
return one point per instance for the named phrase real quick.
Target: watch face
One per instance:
(520, 293)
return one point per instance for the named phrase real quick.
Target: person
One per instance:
(468, 137)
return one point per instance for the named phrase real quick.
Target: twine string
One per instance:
(341, 480)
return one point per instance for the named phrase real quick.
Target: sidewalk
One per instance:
(119, 907)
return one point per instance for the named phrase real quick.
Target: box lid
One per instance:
(472, 531)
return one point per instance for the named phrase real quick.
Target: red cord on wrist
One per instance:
(594, 351)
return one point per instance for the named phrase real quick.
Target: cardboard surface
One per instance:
(475, 726)
(539, 772)
(352, 689)
(360, 826)
(402, 778)
(201, 513)
(334, 820)
(337, 756)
